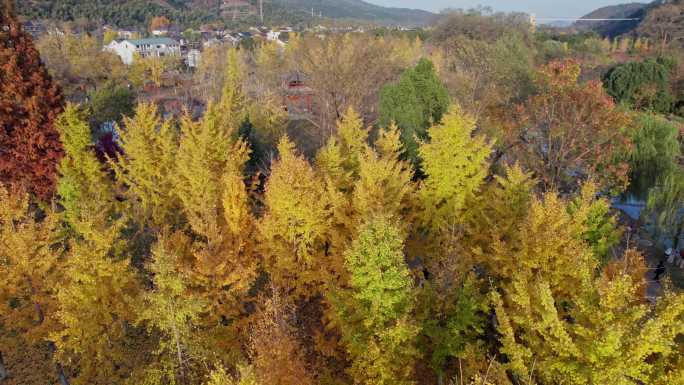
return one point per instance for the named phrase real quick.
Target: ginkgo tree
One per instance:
(374, 314)
(31, 254)
(294, 228)
(145, 167)
(561, 321)
(100, 291)
(174, 312)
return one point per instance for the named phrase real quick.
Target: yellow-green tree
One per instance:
(338, 165)
(146, 167)
(384, 185)
(560, 322)
(455, 165)
(209, 183)
(375, 314)
(232, 106)
(294, 226)
(171, 310)
(97, 306)
(84, 187)
(99, 293)
(31, 256)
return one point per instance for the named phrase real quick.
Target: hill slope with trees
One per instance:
(611, 28)
(660, 20)
(136, 13)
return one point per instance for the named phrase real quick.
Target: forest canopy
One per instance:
(453, 206)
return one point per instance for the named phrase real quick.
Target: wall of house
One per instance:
(124, 50)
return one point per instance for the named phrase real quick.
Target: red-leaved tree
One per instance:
(30, 101)
(571, 131)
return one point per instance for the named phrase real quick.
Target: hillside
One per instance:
(136, 13)
(361, 10)
(661, 20)
(613, 28)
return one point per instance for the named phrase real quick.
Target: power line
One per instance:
(581, 19)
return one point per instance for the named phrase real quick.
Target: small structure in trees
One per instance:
(298, 97)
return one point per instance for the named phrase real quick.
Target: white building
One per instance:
(272, 35)
(194, 57)
(154, 47)
(161, 31)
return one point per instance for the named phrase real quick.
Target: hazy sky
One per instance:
(542, 8)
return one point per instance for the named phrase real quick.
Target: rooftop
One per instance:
(153, 41)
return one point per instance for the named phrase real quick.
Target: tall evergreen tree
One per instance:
(30, 101)
(417, 101)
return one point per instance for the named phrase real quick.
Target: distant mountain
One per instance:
(614, 28)
(360, 10)
(136, 13)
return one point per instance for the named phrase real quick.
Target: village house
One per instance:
(193, 58)
(153, 47)
(126, 34)
(233, 39)
(161, 31)
(121, 33)
(34, 28)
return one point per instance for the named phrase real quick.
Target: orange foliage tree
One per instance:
(159, 22)
(570, 131)
(29, 104)
(274, 340)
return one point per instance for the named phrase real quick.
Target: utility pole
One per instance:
(261, 11)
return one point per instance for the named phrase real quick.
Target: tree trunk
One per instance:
(36, 305)
(3, 370)
(179, 354)
(39, 312)
(63, 380)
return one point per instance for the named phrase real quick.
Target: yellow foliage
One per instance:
(30, 261)
(84, 187)
(97, 303)
(560, 321)
(455, 165)
(274, 340)
(209, 184)
(294, 226)
(146, 165)
(384, 186)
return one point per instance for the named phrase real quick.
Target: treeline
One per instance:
(136, 14)
(125, 14)
(464, 236)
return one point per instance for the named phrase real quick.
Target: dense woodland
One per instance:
(443, 217)
(193, 13)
